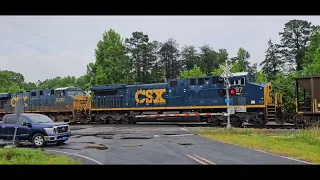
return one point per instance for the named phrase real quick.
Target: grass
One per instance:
(299, 144)
(32, 156)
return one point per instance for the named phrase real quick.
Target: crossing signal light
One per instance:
(232, 91)
(222, 92)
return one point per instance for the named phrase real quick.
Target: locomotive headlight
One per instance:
(49, 130)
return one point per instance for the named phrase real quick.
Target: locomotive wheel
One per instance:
(299, 120)
(236, 121)
(214, 121)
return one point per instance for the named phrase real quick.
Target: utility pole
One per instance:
(225, 75)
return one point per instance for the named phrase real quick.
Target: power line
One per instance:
(31, 46)
(31, 32)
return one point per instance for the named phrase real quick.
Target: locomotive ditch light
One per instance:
(232, 91)
(222, 92)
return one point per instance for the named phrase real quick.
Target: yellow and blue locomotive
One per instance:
(61, 104)
(201, 99)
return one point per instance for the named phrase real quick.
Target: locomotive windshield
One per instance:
(73, 93)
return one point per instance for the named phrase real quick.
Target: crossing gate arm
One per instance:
(180, 115)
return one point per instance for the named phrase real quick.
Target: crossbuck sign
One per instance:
(226, 70)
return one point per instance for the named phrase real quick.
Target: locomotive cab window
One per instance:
(173, 83)
(41, 93)
(242, 81)
(59, 94)
(215, 80)
(73, 93)
(33, 93)
(192, 82)
(200, 81)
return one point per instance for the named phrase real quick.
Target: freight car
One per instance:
(307, 112)
(61, 104)
(185, 98)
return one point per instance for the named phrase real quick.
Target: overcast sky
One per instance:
(42, 47)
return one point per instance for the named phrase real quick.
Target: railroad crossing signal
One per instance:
(226, 70)
(225, 75)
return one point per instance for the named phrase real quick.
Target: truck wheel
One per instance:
(38, 140)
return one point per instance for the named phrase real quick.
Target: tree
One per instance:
(157, 71)
(294, 40)
(169, 58)
(11, 81)
(312, 48)
(112, 64)
(260, 77)
(189, 57)
(273, 62)
(194, 72)
(141, 57)
(285, 84)
(312, 69)
(209, 59)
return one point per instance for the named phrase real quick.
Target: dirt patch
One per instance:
(8, 156)
(98, 146)
(133, 145)
(185, 144)
(136, 138)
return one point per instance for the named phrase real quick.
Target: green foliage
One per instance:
(294, 40)
(194, 72)
(273, 62)
(33, 156)
(286, 84)
(112, 63)
(261, 77)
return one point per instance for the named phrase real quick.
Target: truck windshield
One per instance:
(40, 119)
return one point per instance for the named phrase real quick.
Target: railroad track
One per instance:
(268, 126)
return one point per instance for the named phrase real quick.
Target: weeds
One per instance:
(32, 156)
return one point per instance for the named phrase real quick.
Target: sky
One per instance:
(42, 47)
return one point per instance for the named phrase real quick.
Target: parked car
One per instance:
(39, 129)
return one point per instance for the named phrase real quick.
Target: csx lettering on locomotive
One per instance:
(15, 99)
(146, 96)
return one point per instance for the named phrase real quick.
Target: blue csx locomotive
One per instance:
(61, 104)
(201, 98)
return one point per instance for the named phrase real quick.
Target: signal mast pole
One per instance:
(225, 75)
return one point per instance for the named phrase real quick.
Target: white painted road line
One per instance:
(206, 160)
(200, 159)
(293, 159)
(196, 159)
(184, 129)
(73, 154)
(283, 157)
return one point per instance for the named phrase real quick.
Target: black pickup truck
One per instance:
(39, 129)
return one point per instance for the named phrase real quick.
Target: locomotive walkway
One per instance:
(152, 144)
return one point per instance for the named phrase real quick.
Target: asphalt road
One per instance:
(152, 144)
